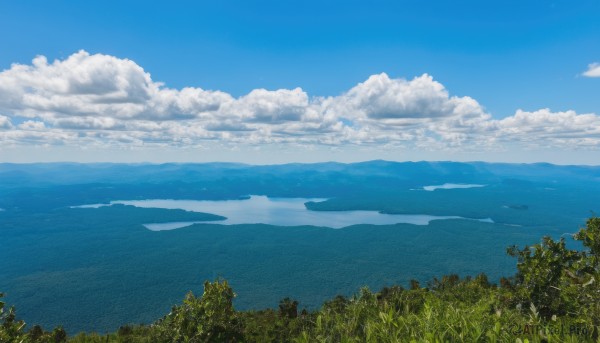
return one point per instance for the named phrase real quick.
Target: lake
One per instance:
(276, 211)
(451, 186)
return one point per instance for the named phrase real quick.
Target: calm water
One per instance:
(276, 211)
(451, 186)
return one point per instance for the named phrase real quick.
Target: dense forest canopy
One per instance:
(554, 297)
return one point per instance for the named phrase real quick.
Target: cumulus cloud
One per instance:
(264, 106)
(5, 122)
(32, 125)
(380, 97)
(593, 70)
(101, 100)
(561, 129)
(85, 85)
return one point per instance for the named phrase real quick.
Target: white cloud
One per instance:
(593, 70)
(97, 85)
(264, 106)
(5, 122)
(32, 125)
(104, 101)
(86, 123)
(544, 127)
(380, 97)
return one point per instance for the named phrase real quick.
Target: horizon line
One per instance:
(302, 163)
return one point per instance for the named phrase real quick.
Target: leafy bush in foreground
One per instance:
(554, 297)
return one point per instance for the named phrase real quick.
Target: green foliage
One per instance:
(11, 330)
(59, 335)
(541, 271)
(590, 237)
(210, 318)
(288, 308)
(560, 281)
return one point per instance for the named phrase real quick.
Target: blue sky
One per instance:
(505, 55)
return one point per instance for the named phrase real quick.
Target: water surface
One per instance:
(451, 186)
(276, 211)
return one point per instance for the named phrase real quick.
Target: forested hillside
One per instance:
(554, 297)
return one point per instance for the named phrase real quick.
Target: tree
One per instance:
(11, 329)
(36, 333)
(288, 308)
(586, 276)
(540, 275)
(59, 335)
(557, 280)
(210, 318)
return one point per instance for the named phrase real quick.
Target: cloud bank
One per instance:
(104, 101)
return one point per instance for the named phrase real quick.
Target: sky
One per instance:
(299, 81)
